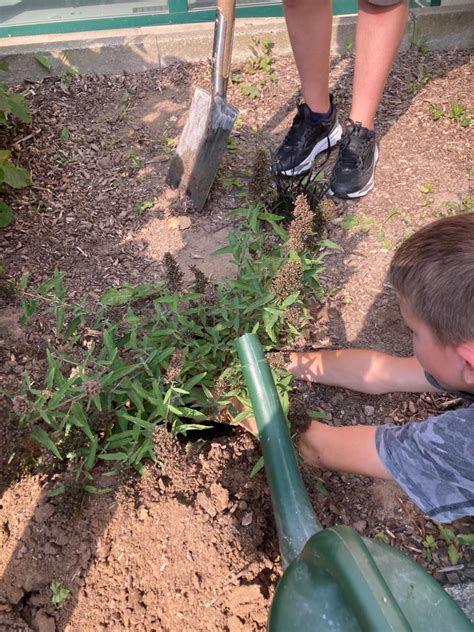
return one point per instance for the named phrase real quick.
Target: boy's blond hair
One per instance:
(433, 270)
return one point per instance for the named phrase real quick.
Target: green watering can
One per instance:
(334, 579)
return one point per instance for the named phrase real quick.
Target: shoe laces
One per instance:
(353, 147)
(294, 131)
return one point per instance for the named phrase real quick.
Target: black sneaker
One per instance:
(354, 172)
(305, 140)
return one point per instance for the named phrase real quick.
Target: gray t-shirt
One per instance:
(432, 461)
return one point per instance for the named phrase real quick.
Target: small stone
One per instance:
(142, 514)
(62, 539)
(161, 485)
(246, 594)
(369, 410)
(247, 519)
(337, 399)
(452, 578)
(34, 580)
(220, 496)
(50, 549)
(205, 503)
(243, 505)
(234, 624)
(44, 512)
(360, 525)
(411, 407)
(43, 623)
(14, 594)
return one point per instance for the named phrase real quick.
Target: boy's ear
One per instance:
(466, 351)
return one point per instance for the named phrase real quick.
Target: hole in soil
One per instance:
(23, 608)
(216, 430)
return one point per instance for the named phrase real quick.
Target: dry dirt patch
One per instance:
(193, 545)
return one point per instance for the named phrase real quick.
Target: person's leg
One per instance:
(309, 24)
(315, 127)
(380, 27)
(379, 32)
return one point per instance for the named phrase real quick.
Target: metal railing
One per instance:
(38, 17)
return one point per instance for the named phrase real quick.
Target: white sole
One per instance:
(323, 145)
(368, 187)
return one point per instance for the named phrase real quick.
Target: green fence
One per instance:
(37, 17)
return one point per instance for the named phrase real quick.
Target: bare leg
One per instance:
(379, 33)
(309, 24)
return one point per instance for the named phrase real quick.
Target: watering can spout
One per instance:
(295, 518)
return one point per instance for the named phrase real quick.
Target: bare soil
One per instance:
(192, 546)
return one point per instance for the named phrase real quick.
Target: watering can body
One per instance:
(310, 598)
(334, 580)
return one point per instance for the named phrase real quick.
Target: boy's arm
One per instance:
(351, 449)
(361, 370)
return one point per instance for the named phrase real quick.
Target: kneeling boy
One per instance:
(433, 274)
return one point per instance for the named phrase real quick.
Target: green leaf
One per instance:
(289, 300)
(269, 320)
(44, 61)
(23, 282)
(426, 188)
(466, 538)
(113, 456)
(14, 103)
(46, 286)
(91, 456)
(117, 296)
(249, 90)
(56, 491)
(65, 134)
(349, 221)
(16, 177)
(97, 402)
(453, 554)
(140, 423)
(257, 467)
(6, 214)
(92, 489)
(118, 374)
(327, 243)
(181, 428)
(42, 437)
(81, 421)
(60, 313)
(189, 384)
(245, 414)
(72, 327)
(446, 533)
(318, 414)
(29, 308)
(222, 251)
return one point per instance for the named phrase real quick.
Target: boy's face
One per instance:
(443, 362)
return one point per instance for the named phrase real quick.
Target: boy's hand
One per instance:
(350, 449)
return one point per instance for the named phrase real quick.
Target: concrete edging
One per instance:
(139, 49)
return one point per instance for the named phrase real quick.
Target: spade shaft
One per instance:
(210, 119)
